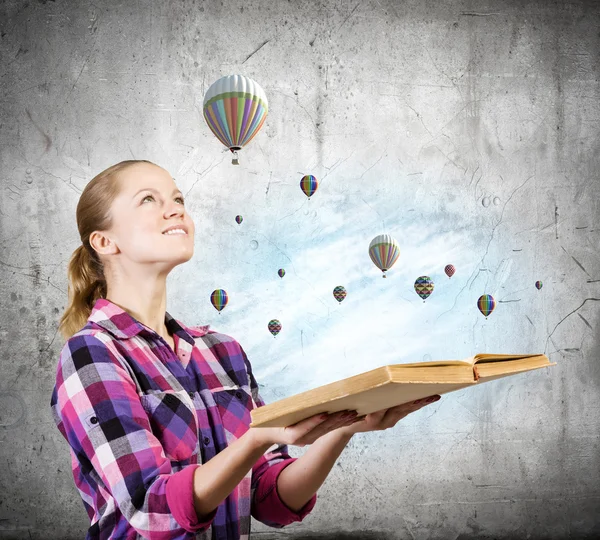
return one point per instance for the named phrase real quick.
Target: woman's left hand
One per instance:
(386, 418)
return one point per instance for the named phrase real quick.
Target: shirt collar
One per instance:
(122, 325)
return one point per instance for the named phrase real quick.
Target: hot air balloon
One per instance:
(239, 219)
(538, 285)
(486, 304)
(339, 293)
(281, 272)
(449, 270)
(384, 252)
(235, 108)
(424, 287)
(274, 327)
(308, 185)
(219, 299)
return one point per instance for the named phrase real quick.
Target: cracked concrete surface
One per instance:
(468, 129)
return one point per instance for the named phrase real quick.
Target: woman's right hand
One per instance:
(304, 432)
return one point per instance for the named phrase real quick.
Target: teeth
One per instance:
(175, 231)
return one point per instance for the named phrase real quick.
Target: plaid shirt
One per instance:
(140, 418)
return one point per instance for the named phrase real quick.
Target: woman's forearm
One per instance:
(218, 477)
(299, 481)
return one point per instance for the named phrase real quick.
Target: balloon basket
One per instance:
(235, 160)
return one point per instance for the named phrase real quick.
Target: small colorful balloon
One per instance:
(449, 270)
(384, 252)
(486, 304)
(424, 287)
(538, 285)
(219, 299)
(281, 272)
(339, 293)
(309, 185)
(274, 327)
(239, 219)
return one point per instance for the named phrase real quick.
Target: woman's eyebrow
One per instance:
(155, 191)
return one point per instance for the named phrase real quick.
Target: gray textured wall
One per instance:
(413, 112)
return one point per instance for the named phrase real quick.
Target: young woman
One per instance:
(157, 413)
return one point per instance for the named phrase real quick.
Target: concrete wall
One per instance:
(468, 130)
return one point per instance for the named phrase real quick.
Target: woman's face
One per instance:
(149, 203)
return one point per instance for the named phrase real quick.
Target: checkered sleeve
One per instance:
(266, 506)
(99, 412)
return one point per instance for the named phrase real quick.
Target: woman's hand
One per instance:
(346, 422)
(304, 432)
(386, 418)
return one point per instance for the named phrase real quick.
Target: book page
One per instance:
(483, 358)
(435, 363)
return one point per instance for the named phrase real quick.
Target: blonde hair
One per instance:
(86, 277)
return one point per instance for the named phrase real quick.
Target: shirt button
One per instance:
(94, 420)
(206, 441)
(191, 394)
(238, 395)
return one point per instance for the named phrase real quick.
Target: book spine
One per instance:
(475, 373)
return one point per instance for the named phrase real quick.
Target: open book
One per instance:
(392, 385)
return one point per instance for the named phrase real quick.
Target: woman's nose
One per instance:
(176, 209)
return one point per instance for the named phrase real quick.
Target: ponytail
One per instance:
(86, 284)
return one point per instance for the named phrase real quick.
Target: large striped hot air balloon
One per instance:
(384, 252)
(235, 108)
(219, 299)
(486, 304)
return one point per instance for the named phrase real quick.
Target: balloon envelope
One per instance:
(274, 327)
(486, 304)
(239, 219)
(219, 299)
(281, 272)
(235, 108)
(308, 185)
(424, 287)
(384, 252)
(339, 293)
(538, 285)
(449, 270)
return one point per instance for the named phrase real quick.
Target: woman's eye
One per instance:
(180, 198)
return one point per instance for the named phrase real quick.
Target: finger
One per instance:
(354, 420)
(335, 421)
(308, 424)
(349, 420)
(395, 414)
(415, 405)
(427, 400)
(300, 434)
